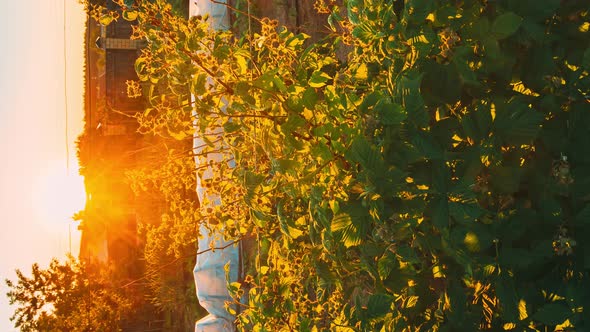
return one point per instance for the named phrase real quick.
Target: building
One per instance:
(109, 225)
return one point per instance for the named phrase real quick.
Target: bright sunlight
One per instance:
(57, 194)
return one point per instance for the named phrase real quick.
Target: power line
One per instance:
(67, 140)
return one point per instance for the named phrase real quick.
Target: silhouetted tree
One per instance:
(68, 296)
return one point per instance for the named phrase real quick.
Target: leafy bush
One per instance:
(435, 179)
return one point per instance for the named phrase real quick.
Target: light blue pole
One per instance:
(209, 271)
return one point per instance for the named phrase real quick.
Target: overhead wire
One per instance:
(65, 87)
(65, 72)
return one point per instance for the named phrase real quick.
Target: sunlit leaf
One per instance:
(130, 15)
(318, 79)
(106, 19)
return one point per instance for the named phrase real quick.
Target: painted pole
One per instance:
(209, 271)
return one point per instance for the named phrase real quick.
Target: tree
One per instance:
(68, 296)
(434, 179)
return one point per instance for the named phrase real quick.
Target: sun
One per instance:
(57, 194)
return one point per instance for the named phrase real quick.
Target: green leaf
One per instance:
(533, 30)
(318, 79)
(539, 66)
(353, 8)
(505, 25)
(532, 9)
(477, 124)
(408, 91)
(444, 130)
(416, 11)
(427, 145)
(458, 300)
(260, 218)
(508, 298)
(252, 181)
(465, 211)
(441, 83)
(198, 84)
(364, 32)
(408, 254)
(321, 151)
(366, 155)
(391, 113)
(444, 14)
(343, 228)
(440, 211)
(552, 314)
(386, 264)
(293, 122)
(491, 48)
(479, 29)
(378, 305)
(279, 84)
(284, 165)
(231, 126)
(517, 123)
(467, 74)
(310, 98)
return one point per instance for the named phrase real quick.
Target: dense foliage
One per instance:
(69, 296)
(165, 204)
(437, 178)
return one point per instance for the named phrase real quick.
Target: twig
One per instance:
(177, 259)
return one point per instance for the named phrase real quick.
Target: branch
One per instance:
(177, 259)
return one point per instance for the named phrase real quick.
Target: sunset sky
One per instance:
(38, 194)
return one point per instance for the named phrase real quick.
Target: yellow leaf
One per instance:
(307, 114)
(522, 312)
(242, 64)
(412, 301)
(509, 326)
(105, 19)
(437, 272)
(361, 72)
(130, 15)
(493, 111)
(294, 232)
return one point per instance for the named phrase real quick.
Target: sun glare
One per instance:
(58, 194)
